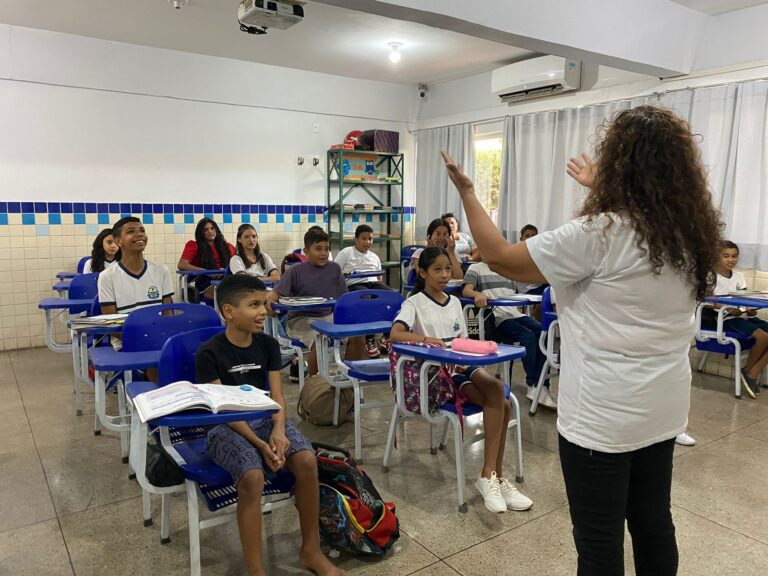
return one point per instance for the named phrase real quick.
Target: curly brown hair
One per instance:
(648, 171)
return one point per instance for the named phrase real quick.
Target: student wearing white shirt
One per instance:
(249, 258)
(104, 254)
(628, 273)
(134, 282)
(360, 258)
(743, 321)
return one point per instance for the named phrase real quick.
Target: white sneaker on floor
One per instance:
(490, 490)
(545, 399)
(685, 439)
(513, 498)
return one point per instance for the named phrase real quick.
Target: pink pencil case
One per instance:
(474, 346)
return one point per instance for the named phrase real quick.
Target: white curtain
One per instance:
(435, 194)
(731, 123)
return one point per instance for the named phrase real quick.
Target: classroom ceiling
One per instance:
(715, 7)
(330, 39)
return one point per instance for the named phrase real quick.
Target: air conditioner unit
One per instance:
(536, 78)
(268, 14)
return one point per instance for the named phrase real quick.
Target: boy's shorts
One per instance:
(744, 325)
(464, 378)
(300, 328)
(237, 455)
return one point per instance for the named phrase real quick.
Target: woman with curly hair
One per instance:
(628, 272)
(208, 251)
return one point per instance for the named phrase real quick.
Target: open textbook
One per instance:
(217, 398)
(102, 320)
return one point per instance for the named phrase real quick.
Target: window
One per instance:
(488, 146)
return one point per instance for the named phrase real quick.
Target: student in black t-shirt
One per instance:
(249, 450)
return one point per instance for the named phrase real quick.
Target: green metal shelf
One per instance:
(369, 182)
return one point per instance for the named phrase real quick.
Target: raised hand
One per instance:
(459, 179)
(582, 172)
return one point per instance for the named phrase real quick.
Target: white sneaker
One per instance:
(529, 395)
(546, 400)
(490, 490)
(513, 498)
(685, 440)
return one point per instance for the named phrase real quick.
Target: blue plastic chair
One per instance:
(353, 308)
(721, 341)
(80, 294)
(547, 340)
(203, 478)
(81, 264)
(144, 333)
(406, 253)
(80, 267)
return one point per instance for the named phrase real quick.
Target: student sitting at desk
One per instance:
(439, 235)
(744, 321)
(360, 258)
(317, 277)
(249, 258)
(133, 282)
(249, 451)
(465, 246)
(104, 254)
(482, 284)
(431, 316)
(208, 251)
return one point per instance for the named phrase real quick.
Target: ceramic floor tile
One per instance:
(723, 482)
(436, 569)
(424, 489)
(704, 432)
(86, 472)
(758, 430)
(34, 550)
(90, 537)
(13, 416)
(24, 495)
(712, 401)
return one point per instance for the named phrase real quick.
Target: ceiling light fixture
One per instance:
(395, 55)
(178, 3)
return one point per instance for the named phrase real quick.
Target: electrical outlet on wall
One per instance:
(316, 127)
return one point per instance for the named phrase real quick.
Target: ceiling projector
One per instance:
(255, 16)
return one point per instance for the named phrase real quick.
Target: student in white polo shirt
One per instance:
(133, 282)
(628, 273)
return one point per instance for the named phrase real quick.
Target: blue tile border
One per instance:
(50, 213)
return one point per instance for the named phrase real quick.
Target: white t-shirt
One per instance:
(422, 315)
(128, 292)
(625, 378)
(493, 285)
(236, 265)
(727, 285)
(352, 260)
(87, 267)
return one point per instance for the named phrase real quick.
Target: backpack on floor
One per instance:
(353, 517)
(316, 401)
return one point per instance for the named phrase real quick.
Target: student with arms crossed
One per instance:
(439, 235)
(430, 316)
(133, 282)
(251, 451)
(628, 273)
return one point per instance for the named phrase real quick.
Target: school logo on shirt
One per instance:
(456, 326)
(153, 293)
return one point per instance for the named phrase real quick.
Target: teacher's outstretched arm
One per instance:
(512, 261)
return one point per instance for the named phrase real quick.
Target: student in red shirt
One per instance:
(208, 251)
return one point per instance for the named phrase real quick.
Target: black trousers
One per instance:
(606, 489)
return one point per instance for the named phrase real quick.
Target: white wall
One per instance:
(470, 99)
(87, 119)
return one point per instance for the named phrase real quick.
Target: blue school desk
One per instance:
(80, 337)
(185, 275)
(447, 414)
(355, 275)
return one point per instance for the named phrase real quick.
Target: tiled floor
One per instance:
(67, 506)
